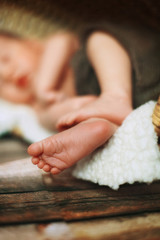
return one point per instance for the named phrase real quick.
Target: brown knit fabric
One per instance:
(143, 46)
(41, 17)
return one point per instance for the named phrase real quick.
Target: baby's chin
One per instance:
(21, 98)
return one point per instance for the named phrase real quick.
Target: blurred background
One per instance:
(38, 18)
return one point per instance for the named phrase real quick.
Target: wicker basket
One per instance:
(156, 117)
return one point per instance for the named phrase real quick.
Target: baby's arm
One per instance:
(54, 63)
(112, 65)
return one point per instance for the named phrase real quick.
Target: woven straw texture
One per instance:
(38, 18)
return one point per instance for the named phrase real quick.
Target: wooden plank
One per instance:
(65, 202)
(40, 206)
(142, 227)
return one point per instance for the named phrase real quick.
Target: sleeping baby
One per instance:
(39, 73)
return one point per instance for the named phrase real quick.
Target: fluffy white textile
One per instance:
(132, 154)
(22, 120)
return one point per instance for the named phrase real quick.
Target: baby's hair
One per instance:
(8, 34)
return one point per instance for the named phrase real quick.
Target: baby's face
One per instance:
(17, 66)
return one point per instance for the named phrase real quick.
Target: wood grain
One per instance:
(70, 199)
(141, 227)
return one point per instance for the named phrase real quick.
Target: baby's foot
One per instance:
(49, 115)
(61, 151)
(107, 107)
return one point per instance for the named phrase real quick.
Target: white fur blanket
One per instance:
(21, 120)
(132, 154)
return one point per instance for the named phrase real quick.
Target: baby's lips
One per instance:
(22, 82)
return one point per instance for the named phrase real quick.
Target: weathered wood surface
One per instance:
(33, 196)
(141, 227)
(12, 148)
(69, 203)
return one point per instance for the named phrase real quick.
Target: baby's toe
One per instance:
(35, 160)
(35, 149)
(41, 164)
(46, 168)
(55, 171)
